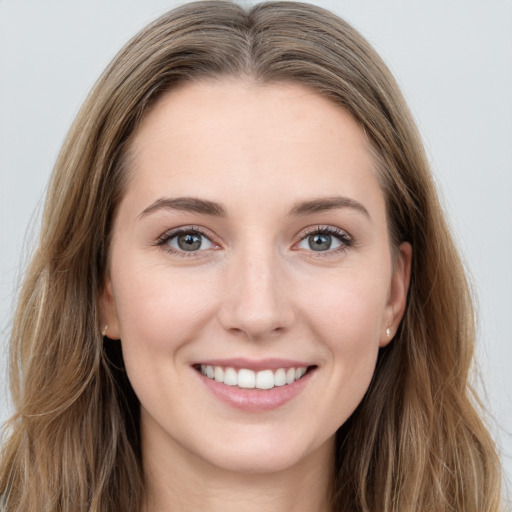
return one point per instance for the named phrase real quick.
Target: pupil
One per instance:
(320, 242)
(189, 242)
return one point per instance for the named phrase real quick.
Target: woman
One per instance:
(245, 283)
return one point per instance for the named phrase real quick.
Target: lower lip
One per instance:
(256, 400)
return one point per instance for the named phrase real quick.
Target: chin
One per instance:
(264, 456)
(257, 462)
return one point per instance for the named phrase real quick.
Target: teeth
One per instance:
(230, 377)
(218, 373)
(299, 372)
(265, 379)
(248, 379)
(280, 377)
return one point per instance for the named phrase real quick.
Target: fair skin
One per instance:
(284, 262)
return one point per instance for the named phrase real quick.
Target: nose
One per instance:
(257, 301)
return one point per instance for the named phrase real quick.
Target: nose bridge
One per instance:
(257, 301)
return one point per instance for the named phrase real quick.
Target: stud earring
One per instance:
(388, 332)
(105, 329)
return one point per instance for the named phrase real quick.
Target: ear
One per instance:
(398, 293)
(108, 311)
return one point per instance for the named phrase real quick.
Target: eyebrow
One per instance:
(203, 206)
(327, 203)
(187, 204)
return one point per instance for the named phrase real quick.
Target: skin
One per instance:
(255, 289)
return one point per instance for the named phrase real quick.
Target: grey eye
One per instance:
(320, 242)
(189, 242)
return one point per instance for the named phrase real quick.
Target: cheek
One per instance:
(349, 311)
(159, 309)
(352, 334)
(347, 321)
(159, 313)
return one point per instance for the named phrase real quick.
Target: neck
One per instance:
(178, 480)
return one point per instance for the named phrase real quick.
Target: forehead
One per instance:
(223, 136)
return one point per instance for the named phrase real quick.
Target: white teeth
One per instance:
(218, 372)
(265, 379)
(230, 377)
(280, 377)
(248, 379)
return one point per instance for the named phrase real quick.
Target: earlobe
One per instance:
(398, 293)
(108, 312)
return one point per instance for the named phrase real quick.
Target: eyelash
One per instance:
(346, 241)
(173, 233)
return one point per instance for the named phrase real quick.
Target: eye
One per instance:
(325, 239)
(185, 240)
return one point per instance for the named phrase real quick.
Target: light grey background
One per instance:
(453, 60)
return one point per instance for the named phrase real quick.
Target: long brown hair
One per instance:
(415, 443)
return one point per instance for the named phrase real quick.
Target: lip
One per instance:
(256, 400)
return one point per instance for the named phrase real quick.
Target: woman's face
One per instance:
(251, 245)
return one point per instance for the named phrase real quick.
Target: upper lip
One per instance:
(254, 364)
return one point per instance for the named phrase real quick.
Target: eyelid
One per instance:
(170, 233)
(346, 240)
(162, 240)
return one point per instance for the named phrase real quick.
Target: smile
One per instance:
(249, 379)
(255, 385)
